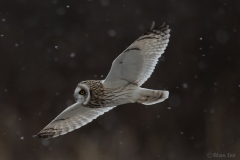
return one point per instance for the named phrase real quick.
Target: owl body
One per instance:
(100, 96)
(122, 85)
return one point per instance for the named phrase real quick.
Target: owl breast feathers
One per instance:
(122, 85)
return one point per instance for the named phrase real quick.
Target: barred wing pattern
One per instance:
(72, 118)
(136, 64)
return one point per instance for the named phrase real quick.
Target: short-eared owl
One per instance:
(122, 85)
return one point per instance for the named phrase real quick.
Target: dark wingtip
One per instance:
(42, 136)
(157, 29)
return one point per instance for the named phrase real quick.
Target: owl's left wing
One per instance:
(136, 64)
(74, 117)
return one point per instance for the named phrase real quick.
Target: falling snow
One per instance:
(72, 55)
(112, 33)
(185, 85)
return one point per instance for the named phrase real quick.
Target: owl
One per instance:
(122, 85)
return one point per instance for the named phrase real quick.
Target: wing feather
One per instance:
(136, 64)
(72, 118)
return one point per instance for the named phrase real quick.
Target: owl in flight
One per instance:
(122, 85)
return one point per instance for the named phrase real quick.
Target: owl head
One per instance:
(82, 93)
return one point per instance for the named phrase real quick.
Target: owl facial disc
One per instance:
(82, 94)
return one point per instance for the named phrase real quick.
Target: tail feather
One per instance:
(149, 97)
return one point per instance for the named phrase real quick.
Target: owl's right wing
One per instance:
(74, 117)
(136, 64)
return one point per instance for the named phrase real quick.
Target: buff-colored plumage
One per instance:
(122, 85)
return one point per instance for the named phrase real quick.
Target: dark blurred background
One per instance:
(48, 46)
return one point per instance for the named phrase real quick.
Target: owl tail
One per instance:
(149, 96)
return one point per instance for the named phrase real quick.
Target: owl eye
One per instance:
(82, 92)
